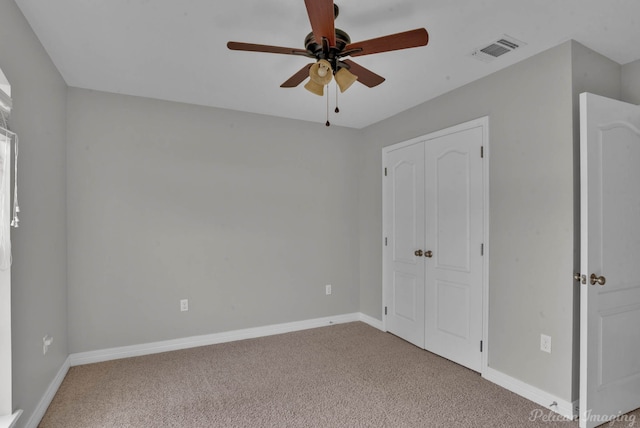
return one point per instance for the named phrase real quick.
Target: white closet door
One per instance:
(433, 267)
(454, 231)
(404, 263)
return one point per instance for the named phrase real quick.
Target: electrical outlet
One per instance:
(184, 305)
(46, 342)
(327, 289)
(545, 343)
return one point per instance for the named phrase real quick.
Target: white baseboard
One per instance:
(375, 323)
(46, 399)
(9, 421)
(538, 396)
(101, 355)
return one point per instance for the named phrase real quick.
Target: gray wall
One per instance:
(39, 301)
(247, 216)
(631, 82)
(531, 209)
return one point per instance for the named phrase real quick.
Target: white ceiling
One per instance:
(176, 50)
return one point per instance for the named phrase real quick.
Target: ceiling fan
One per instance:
(329, 46)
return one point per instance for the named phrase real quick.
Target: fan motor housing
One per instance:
(315, 49)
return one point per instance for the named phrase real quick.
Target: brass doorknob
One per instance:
(597, 279)
(418, 253)
(428, 253)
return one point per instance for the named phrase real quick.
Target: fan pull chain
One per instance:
(328, 123)
(337, 110)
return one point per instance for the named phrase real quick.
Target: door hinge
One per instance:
(481, 151)
(385, 310)
(385, 172)
(385, 241)
(482, 249)
(481, 346)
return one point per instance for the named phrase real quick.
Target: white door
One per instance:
(404, 221)
(433, 268)
(454, 235)
(610, 253)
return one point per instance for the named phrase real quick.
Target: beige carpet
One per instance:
(347, 375)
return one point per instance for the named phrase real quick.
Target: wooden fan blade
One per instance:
(297, 78)
(392, 42)
(322, 20)
(251, 47)
(365, 76)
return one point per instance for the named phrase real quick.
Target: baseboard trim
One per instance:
(538, 396)
(375, 323)
(101, 355)
(46, 399)
(9, 421)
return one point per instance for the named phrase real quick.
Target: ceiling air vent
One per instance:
(496, 49)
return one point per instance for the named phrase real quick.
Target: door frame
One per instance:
(482, 122)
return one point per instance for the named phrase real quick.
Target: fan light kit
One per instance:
(329, 46)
